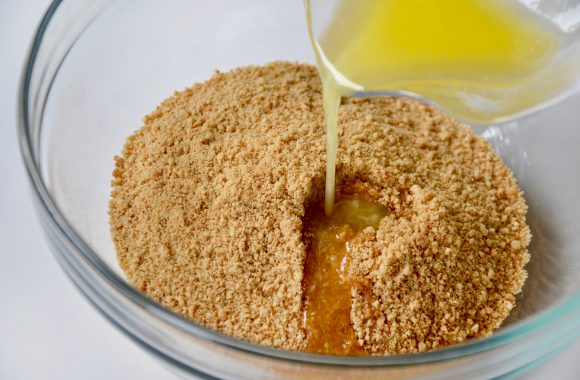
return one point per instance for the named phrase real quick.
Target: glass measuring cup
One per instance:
(486, 75)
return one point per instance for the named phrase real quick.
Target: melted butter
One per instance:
(482, 60)
(327, 284)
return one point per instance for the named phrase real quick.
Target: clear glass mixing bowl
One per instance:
(96, 67)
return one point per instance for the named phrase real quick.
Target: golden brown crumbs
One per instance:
(208, 199)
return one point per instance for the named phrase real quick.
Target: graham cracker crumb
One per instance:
(209, 195)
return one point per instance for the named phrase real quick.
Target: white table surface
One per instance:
(47, 329)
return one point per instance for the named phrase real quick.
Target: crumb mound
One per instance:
(209, 195)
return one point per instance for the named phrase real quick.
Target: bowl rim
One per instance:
(536, 323)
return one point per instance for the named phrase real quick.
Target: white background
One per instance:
(47, 330)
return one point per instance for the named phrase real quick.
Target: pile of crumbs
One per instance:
(209, 195)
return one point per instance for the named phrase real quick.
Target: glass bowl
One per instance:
(96, 67)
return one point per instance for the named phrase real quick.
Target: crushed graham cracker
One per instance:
(209, 195)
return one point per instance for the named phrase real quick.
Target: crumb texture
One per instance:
(208, 199)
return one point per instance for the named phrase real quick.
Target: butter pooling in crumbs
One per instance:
(208, 199)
